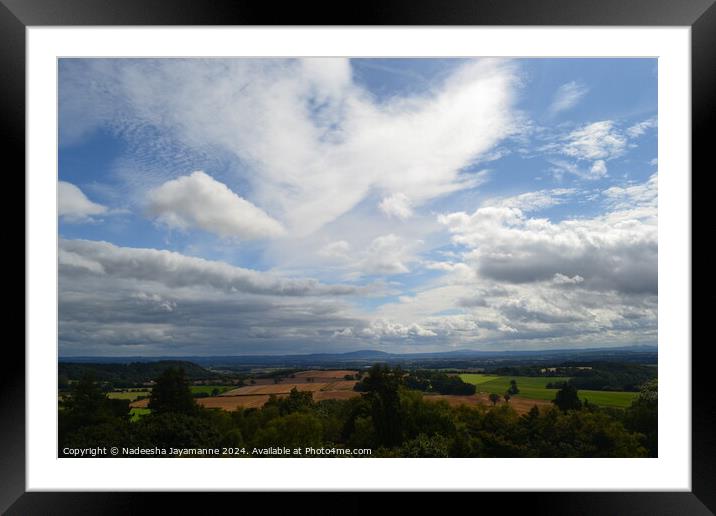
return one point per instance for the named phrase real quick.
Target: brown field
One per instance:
(343, 385)
(254, 396)
(280, 388)
(255, 400)
(335, 395)
(234, 402)
(521, 405)
(288, 384)
(324, 375)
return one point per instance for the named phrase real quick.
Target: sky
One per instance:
(281, 206)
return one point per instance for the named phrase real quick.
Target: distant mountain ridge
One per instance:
(373, 355)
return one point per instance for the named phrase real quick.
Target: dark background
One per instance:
(15, 15)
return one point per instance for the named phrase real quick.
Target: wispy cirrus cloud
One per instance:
(567, 96)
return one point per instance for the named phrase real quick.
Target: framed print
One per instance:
(432, 251)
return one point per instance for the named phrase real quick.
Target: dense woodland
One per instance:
(133, 374)
(596, 376)
(390, 417)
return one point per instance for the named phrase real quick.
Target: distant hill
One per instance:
(455, 358)
(132, 372)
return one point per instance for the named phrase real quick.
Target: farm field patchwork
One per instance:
(130, 395)
(323, 375)
(254, 396)
(535, 387)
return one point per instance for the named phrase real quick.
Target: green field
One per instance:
(535, 387)
(478, 378)
(618, 399)
(207, 389)
(136, 413)
(131, 396)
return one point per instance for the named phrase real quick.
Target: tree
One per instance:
(292, 431)
(295, 402)
(513, 387)
(567, 398)
(494, 398)
(382, 385)
(426, 446)
(85, 410)
(171, 394)
(642, 416)
(86, 402)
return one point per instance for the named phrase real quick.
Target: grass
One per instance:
(207, 389)
(136, 413)
(535, 387)
(478, 378)
(617, 399)
(131, 396)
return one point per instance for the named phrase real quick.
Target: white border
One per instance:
(671, 471)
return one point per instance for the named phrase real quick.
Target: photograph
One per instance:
(357, 257)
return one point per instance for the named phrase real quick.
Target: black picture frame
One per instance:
(700, 15)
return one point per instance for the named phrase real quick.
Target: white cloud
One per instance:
(386, 254)
(640, 128)
(635, 195)
(177, 271)
(617, 250)
(561, 279)
(599, 169)
(596, 141)
(335, 250)
(311, 143)
(74, 206)
(397, 205)
(532, 201)
(567, 96)
(385, 328)
(198, 200)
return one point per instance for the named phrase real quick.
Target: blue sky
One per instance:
(233, 206)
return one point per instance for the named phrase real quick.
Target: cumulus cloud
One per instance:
(386, 254)
(561, 279)
(615, 251)
(567, 96)
(74, 206)
(198, 200)
(391, 329)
